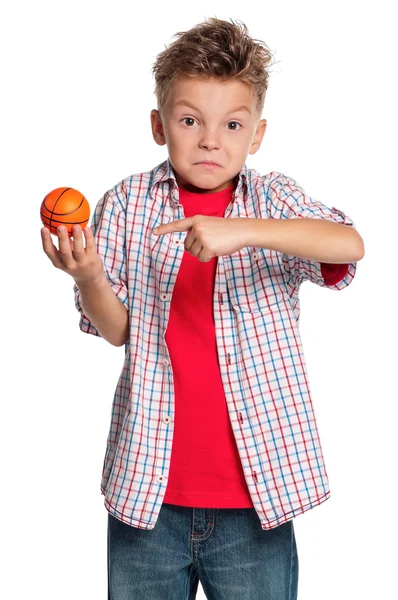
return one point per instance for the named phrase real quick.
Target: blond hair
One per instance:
(214, 49)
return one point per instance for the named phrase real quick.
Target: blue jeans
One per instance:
(225, 549)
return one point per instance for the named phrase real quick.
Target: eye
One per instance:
(192, 119)
(187, 119)
(236, 123)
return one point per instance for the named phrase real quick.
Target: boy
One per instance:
(213, 447)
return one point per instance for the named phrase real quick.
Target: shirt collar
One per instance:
(164, 172)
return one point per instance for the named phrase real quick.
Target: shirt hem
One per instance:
(288, 516)
(265, 524)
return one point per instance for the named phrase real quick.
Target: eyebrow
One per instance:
(185, 103)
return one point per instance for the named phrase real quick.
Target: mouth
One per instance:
(208, 165)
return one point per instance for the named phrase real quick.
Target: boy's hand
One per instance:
(212, 236)
(81, 263)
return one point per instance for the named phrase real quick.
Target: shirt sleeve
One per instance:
(287, 200)
(108, 227)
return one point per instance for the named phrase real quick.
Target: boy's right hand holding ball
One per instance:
(82, 263)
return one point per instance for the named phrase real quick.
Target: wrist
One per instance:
(255, 232)
(97, 282)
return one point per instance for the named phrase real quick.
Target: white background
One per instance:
(77, 91)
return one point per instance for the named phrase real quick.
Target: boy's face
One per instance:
(212, 131)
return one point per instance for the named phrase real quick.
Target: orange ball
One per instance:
(64, 206)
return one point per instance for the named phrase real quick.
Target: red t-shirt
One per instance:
(205, 469)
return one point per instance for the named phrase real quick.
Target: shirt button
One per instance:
(255, 256)
(166, 362)
(160, 478)
(164, 296)
(166, 419)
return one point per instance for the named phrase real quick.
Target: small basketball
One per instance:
(64, 206)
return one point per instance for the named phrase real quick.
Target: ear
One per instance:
(258, 136)
(157, 128)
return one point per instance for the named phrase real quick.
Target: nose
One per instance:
(209, 140)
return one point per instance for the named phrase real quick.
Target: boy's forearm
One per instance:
(105, 311)
(313, 239)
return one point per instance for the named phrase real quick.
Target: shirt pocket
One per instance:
(256, 280)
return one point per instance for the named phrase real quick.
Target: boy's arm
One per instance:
(304, 260)
(313, 239)
(105, 311)
(109, 230)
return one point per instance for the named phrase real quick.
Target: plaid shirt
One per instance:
(261, 359)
